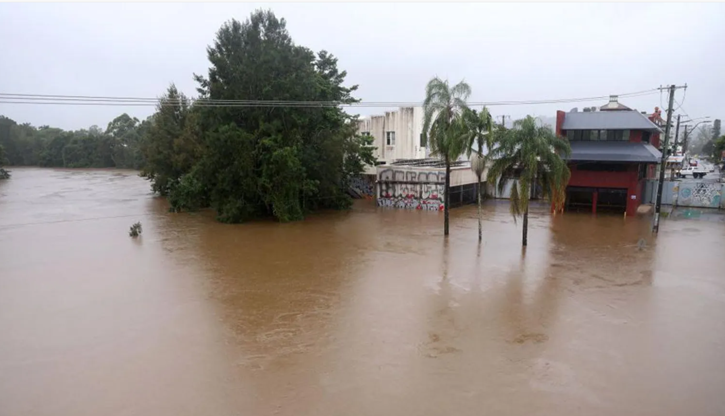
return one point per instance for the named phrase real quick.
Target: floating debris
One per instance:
(135, 230)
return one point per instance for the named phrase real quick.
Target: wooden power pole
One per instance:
(674, 148)
(660, 183)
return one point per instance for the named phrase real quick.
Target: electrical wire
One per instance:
(49, 99)
(684, 95)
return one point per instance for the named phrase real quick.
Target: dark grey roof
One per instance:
(614, 152)
(608, 120)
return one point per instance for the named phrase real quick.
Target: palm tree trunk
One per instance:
(525, 239)
(479, 206)
(447, 197)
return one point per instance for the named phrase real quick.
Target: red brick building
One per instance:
(614, 149)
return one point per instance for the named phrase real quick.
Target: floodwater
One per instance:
(366, 312)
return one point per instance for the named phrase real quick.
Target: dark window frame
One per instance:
(390, 134)
(614, 135)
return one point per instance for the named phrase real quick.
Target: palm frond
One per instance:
(531, 153)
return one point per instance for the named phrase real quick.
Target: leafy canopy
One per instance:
(252, 161)
(531, 155)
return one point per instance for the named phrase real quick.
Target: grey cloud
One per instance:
(505, 51)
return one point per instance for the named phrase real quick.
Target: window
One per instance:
(602, 167)
(390, 138)
(366, 133)
(574, 135)
(423, 141)
(597, 135)
(646, 136)
(618, 135)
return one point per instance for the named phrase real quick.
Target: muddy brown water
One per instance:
(366, 312)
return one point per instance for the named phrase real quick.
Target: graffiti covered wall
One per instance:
(364, 185)
(699, 194)
(687, 193)
(411, 189)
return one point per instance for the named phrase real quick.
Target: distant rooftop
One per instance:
(614, 105)
(609, 120)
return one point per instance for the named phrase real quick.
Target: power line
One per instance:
(48, 99)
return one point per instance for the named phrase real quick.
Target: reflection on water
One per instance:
(363, 312)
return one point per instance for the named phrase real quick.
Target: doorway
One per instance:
(608, 200)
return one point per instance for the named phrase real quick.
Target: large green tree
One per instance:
(260, 158)
(170, 145)
(124, 140)
(479, 132)
(530, 155)
(444, 128)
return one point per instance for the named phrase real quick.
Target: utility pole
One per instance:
(684, 141)
(503, 120)
(674, 151)
(660, 184)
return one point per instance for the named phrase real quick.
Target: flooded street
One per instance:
(362, 312)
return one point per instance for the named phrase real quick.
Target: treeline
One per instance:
(119, 145)
(3, 160)
(244, 161)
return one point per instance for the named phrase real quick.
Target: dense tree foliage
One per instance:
(251, 161)
(117, 146)
(3, 173)
(171, 145)
(718, 149)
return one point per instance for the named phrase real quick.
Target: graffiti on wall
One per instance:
(700, 194)
(363, 184)
(411, 189)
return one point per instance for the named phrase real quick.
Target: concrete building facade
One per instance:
(406, 176)
(397, 134)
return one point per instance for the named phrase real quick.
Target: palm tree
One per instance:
(442, 129)
(531, 155)
(479, 135)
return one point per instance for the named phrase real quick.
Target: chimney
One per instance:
(613, 101)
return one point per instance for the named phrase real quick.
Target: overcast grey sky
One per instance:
(504, 51)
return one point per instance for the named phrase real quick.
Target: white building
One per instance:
(398, 134)
(406, 176)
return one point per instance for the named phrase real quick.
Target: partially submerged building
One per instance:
(406, 176)
(614, 149)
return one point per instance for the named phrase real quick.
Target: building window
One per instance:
(366, 133)
(646, 136)
(602, 167)
(423, 141)
(390, 138)
(618, 135)
(597, 135)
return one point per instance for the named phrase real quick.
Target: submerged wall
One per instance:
(422, 187)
